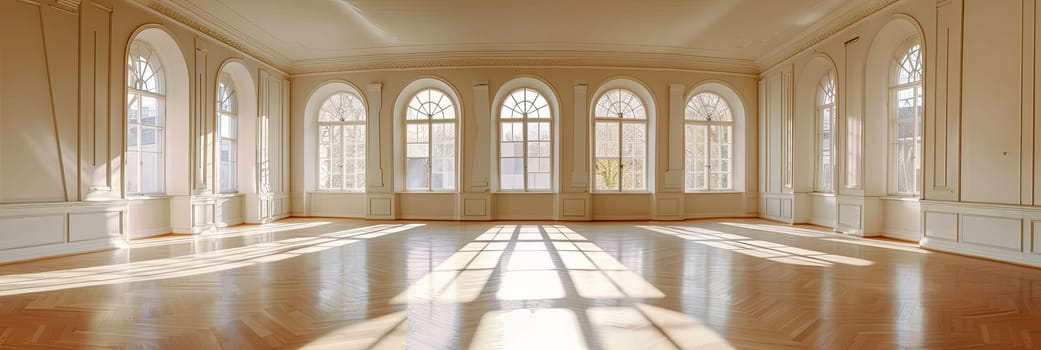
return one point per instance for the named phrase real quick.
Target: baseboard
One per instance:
(57, 250)
(150, 233)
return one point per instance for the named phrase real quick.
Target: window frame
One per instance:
(524, 121)
(341, 124)
(225, 81)
(892, 119)
(822, 105)
(620, 121)
(139, 49)
(731, 126)
(430, 122)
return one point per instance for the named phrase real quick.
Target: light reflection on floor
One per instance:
(772, 251)
(190, 265)
(513, 266)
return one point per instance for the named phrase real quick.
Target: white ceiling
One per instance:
(309, 32)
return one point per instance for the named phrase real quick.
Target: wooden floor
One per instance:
(342, 284)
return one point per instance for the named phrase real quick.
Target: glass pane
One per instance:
(606, 139)
(228, 127)
(524, 103)
(607, 173)
(416, 170)
(151, 172)
(133, 172)
(538, 131)
(619, 103)
(150, 111)
(511, 173)
(707, 106)
(696, 157)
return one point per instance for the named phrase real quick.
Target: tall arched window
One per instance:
(620, 158)
(228, 128)
(525, 142)
(825, 140)
(905, 121)
(430, 129)
(341, 143)
(708, 144)
(146, 109)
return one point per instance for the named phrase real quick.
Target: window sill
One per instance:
(715, 192)
(622, 193)
(148, 197)
(900, 198)
(337, 192)
(822, 194)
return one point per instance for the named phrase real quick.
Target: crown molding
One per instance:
(190, 15)
(526, 58)
(815, 35)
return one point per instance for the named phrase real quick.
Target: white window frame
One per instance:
(139, 50)
(607, 111)
(732, 129)
(827, 95)
(430, 122)
(892, 122)
(342, 124)
(227, 107)
(524, 121)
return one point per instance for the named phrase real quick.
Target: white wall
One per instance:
(62, 127)
(980, 151)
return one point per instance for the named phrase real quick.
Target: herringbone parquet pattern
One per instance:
(344, 284)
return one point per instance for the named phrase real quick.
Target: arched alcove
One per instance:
(650, 106)
(401, 107)
(805, 147)
(878, 69)
(547, 92)
(311, 109)
(177, 177)
(247, 146)
(737, 107)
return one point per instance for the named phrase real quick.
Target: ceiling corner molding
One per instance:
(525, 58)
(193, 20)
(814, 37)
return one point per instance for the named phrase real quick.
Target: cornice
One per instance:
(514, 58)
(202, 22)
(816, 36)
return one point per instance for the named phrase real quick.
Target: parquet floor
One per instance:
(345, 284)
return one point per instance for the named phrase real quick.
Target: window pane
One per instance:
(416, 170)
(354, 157)
(511, 173)
(606, 139)
(696, 157)
(633, 155)
(151, 172)
(228, 127)
(607, 173)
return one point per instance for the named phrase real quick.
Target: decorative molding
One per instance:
(194, 19)
(512, 58)
(814, 37)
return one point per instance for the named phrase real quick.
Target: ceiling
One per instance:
(309, 35)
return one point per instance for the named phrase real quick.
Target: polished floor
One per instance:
(346, 284)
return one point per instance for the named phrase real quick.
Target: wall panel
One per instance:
(991, 100)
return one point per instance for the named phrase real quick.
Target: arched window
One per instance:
(905, 121)
(525, 142)
(341, 143)
(708, 144)
(430, 129)
(620, 158)
(825, 140)
(228, 128)
(146, 109)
